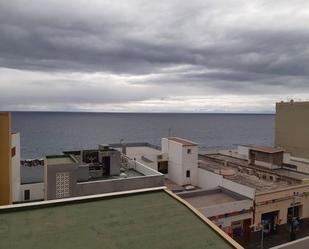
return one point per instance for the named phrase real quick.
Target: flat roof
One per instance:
(182, 141)
(141, 150)
(59, 159)
(266, 149)
(144, 220)
(252, 181)
(210, 199)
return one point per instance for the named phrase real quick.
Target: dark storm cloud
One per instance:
(209, 46)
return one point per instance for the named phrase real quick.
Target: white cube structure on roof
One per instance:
(182, 160)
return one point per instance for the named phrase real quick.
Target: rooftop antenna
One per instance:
(169, 132)
(123, 147)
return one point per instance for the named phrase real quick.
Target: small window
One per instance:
(189, 151)
(13, 151)
(27, 194)
(188, 173)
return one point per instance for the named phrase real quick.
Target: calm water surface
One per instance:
(52, 132)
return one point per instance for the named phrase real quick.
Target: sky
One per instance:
(153, 56)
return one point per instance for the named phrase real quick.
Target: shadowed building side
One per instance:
(292, 132)
(5, 158)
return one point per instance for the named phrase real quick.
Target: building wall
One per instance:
(5, 158)
(114, 160)
(180, 161)
(302, 164)
(36, 191)
(271, 160)
(210, 180)
(50, 179)
(152, 179)
(144, 169)
(115, 185)
(292, 132)
(244, 151)
(227, 222)
(16, 197)
(190, 162)
(281, 200)
(226, 208)
(238, 188)
(149, 153)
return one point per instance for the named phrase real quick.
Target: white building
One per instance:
(16, 194)
(182, 160)
(148, 155)
(23, 191)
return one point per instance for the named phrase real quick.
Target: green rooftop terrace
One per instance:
(140, 221)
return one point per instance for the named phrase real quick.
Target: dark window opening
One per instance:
(163, 167)
(27, 195)
(13, 151)
(189, 151)
(188, 173)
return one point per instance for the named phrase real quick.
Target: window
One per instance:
(13, 151)
(189, 151)
(27, 195)
(188, 173)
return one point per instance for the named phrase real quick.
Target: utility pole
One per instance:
(169, 132)
(292, 234)
(262, 235)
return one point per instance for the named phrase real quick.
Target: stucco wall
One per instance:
(180, 161)
(115, 185)
(243, 150)
(16, 168)
(36, 191)
(210, 180)
(238, 188)
(292, 132)
(280, 201)
(50, 181)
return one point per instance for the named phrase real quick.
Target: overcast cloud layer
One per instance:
(183, 56)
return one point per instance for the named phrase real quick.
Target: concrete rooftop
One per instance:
(252, 181)
(151, 220)
(201, 201)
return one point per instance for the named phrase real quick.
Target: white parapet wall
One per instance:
(142, 168)
(238, 188)
(36, 191)
(243, 151)
(209, 180)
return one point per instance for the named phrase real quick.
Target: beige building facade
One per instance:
(292, 128)
(280, 203)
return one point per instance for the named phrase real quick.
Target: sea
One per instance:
(47, 133)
